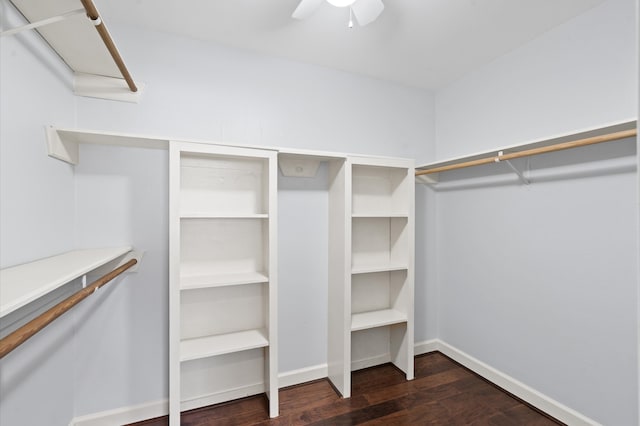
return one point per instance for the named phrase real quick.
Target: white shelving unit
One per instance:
(371, 267)
(23, 284)
(223, 275)
(223, 290)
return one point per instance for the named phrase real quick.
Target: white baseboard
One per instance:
(425, 347)
(223, 396)
(370, 362)
(540, 401)
(517, 388)
(151, 410)
(125, 415)
(303, 375)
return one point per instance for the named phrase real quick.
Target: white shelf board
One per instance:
(22, 284)
(381, 215)
(64, 144)
(75, 39)
(367, 269)
(204, 347)
(579, 134)
(109, 138)
(193, 282)
(208, 215)
(372, 319)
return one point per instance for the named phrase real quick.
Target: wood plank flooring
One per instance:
(443, 393)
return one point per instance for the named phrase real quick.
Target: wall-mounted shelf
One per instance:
(64, 144)
(22, 284)
(428, 173)
(76, 32)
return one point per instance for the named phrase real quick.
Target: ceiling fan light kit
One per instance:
(365, 11)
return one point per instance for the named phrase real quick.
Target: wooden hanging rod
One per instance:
(609, 137)
(19, 336)
(92, 13)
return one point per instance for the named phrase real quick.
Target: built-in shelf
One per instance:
(372, 220)
(205, 215)
(223, 286)
(379, 215)
(22, 284)
(209, 346)
(366, 320)
(367, 269)
(193, 282)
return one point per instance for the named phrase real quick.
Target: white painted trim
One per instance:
(223, 396)
(124, 415)
(427, 346)
(517, 388)
(370, 362)
(303, 375)
(160, 408)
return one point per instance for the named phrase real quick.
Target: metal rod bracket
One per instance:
(513, 168)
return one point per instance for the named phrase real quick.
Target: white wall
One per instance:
(580, 75)
(540, 281)
(118, 353)
(303, 244)
(36, 218)
(122, 199)
(35, 87)
(199, 90)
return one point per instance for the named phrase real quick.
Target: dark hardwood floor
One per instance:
(443, 393)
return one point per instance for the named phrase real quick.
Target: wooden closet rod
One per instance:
(609, 137)
(92, 13)
(18, 337)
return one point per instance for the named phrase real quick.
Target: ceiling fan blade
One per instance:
(306, 8)
(367, 11)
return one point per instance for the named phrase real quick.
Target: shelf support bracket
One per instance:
(42, 22)
(430, 179)
(66, 151)
(513, 168)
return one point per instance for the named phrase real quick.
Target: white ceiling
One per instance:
(422, 43)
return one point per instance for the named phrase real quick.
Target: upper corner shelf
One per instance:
(612, 132)
(22, 284)
(77, 33)
(63, 144)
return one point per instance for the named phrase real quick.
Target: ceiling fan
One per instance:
(365, 11)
